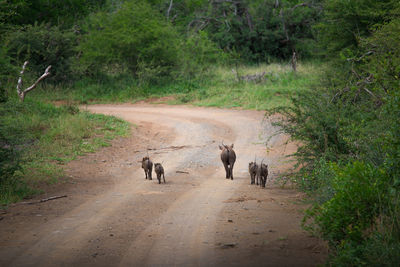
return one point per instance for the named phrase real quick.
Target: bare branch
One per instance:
(284, 25)
(21, 93)
(300, 5)
(169, 8)
(19, 84)
(44, 75)
(360, 58)
(202, 21)
(41, 200)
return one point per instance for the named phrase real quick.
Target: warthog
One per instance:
(228, 158)
(253, 167)
(158, 168)
(147, 166)
(262, 174)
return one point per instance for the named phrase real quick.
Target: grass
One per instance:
(46, 137)
(281, 82)
(219, 87)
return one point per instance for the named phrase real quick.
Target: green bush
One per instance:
(345, 22)
(381, 249)
(197, 56)
(361, 218)
(42, 45)
(134, 36)
(318, 181)
(61, 13)
(9, 163)
(315, 121)
(360, 192)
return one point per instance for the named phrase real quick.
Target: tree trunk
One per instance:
(294, 61)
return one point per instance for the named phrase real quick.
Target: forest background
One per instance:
(341, 101)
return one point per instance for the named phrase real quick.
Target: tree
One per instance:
(260, 30)
(345, 22)
(131, 36)
(43, 45)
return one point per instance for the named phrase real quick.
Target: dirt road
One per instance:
(113, 216)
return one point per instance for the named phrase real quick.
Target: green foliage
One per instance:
(383, 60)
(61, 13)
(9, 164)
(361, 218)
(42, 45)
(381, 249)
(6, 70)
(260, 30)
(134, 36)
(360, 191)
(320, 135)
(349, 158)
(197, 53)
(345, 22)
(318, 180)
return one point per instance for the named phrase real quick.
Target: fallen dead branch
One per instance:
(257, 77)
(240, 199)
(41, 200)
(182, 172)
(170, 147)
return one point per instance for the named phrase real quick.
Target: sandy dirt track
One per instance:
(114, 217)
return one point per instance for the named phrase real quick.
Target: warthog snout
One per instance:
(228, 158)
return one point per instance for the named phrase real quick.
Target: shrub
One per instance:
(360, 191)
(197, 55)
(345, 22)
(134, 36)
(42, 45)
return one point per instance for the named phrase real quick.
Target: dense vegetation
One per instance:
(342, 104)
(349, 131)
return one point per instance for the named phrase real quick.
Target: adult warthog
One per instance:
(147, 166)
(228, 158)
(158, 168)
(253, 169)
(262, 174)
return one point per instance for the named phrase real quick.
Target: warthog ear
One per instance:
(231, 146)
(220, 147)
